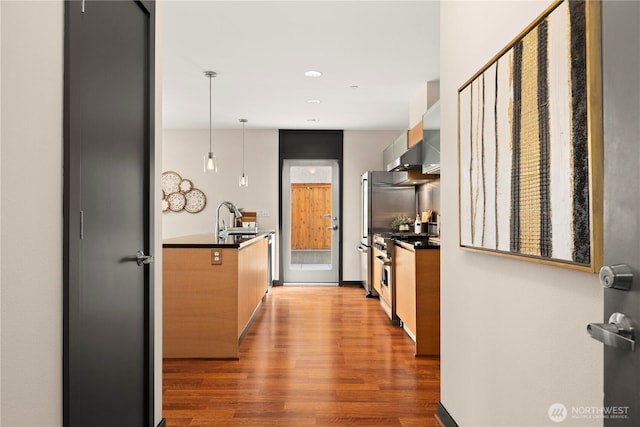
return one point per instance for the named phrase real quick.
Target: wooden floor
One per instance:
(314, 356)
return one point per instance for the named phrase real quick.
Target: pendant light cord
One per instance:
(243, 147)
(210, 113)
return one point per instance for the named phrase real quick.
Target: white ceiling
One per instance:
(261, 49)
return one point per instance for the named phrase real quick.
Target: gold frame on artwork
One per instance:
(528, 137)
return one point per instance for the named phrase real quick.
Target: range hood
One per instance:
(407, 161)
(412, 177)
(424, 156)
(399, 157)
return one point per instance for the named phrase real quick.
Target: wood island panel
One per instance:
(200, 309)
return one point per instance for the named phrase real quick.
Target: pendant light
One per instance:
(244, 179)
(209, 157)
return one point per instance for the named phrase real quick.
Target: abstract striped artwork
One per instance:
(524, 171)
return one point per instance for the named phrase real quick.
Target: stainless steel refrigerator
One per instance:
(380, 202)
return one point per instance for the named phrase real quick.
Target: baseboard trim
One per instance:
(162, 423)
(351, 283)
(444, 417)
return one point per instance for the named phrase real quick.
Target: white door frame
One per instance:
(328, 276)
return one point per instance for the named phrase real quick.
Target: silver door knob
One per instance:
(617, 276)
(619, 332)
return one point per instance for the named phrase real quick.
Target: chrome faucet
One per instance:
(232, 209)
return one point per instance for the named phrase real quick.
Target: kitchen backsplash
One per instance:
(429, 197)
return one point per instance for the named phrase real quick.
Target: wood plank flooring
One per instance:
(314, 356)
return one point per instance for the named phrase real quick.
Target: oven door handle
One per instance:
(382, 260)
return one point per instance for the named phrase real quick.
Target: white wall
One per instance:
(513, 332)
(0, 213)
(183, 150)
(31, 212)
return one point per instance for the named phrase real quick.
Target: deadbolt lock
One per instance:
(617, 276)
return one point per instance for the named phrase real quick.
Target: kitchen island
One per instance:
(211, 290)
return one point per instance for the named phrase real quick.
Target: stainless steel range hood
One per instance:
(399, 157)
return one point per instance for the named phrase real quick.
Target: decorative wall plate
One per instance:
(170, 182)
(177, 201)
(185, 186)
(165, 204)
(196, 201)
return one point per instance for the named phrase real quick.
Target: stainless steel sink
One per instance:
(238, 230)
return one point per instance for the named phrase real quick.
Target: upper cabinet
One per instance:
(431, 139)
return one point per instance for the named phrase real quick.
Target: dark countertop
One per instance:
(414, 246)
(206, 240)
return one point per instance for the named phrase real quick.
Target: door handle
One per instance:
(383, 261)
(362, 249)
(141, 258)
(617, 333)
(617, 276)
(333, 227)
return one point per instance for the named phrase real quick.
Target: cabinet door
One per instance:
(244, 289)
(405, 287)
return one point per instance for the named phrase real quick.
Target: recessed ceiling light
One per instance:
(313, 73)
(313, 101)
(313, 120)
(354, 86)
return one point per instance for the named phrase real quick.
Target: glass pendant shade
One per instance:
(210, 162)
(244, 180)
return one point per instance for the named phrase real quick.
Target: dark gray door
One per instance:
(108, 358)
(621, 92)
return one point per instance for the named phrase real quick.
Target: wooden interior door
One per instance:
(311, 216)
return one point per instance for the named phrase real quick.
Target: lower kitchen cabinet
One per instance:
(417, 295)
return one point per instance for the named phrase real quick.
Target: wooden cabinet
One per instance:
(207, 306)
(414, 135)
(405, 287)
(417, 291)
(252, 281)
